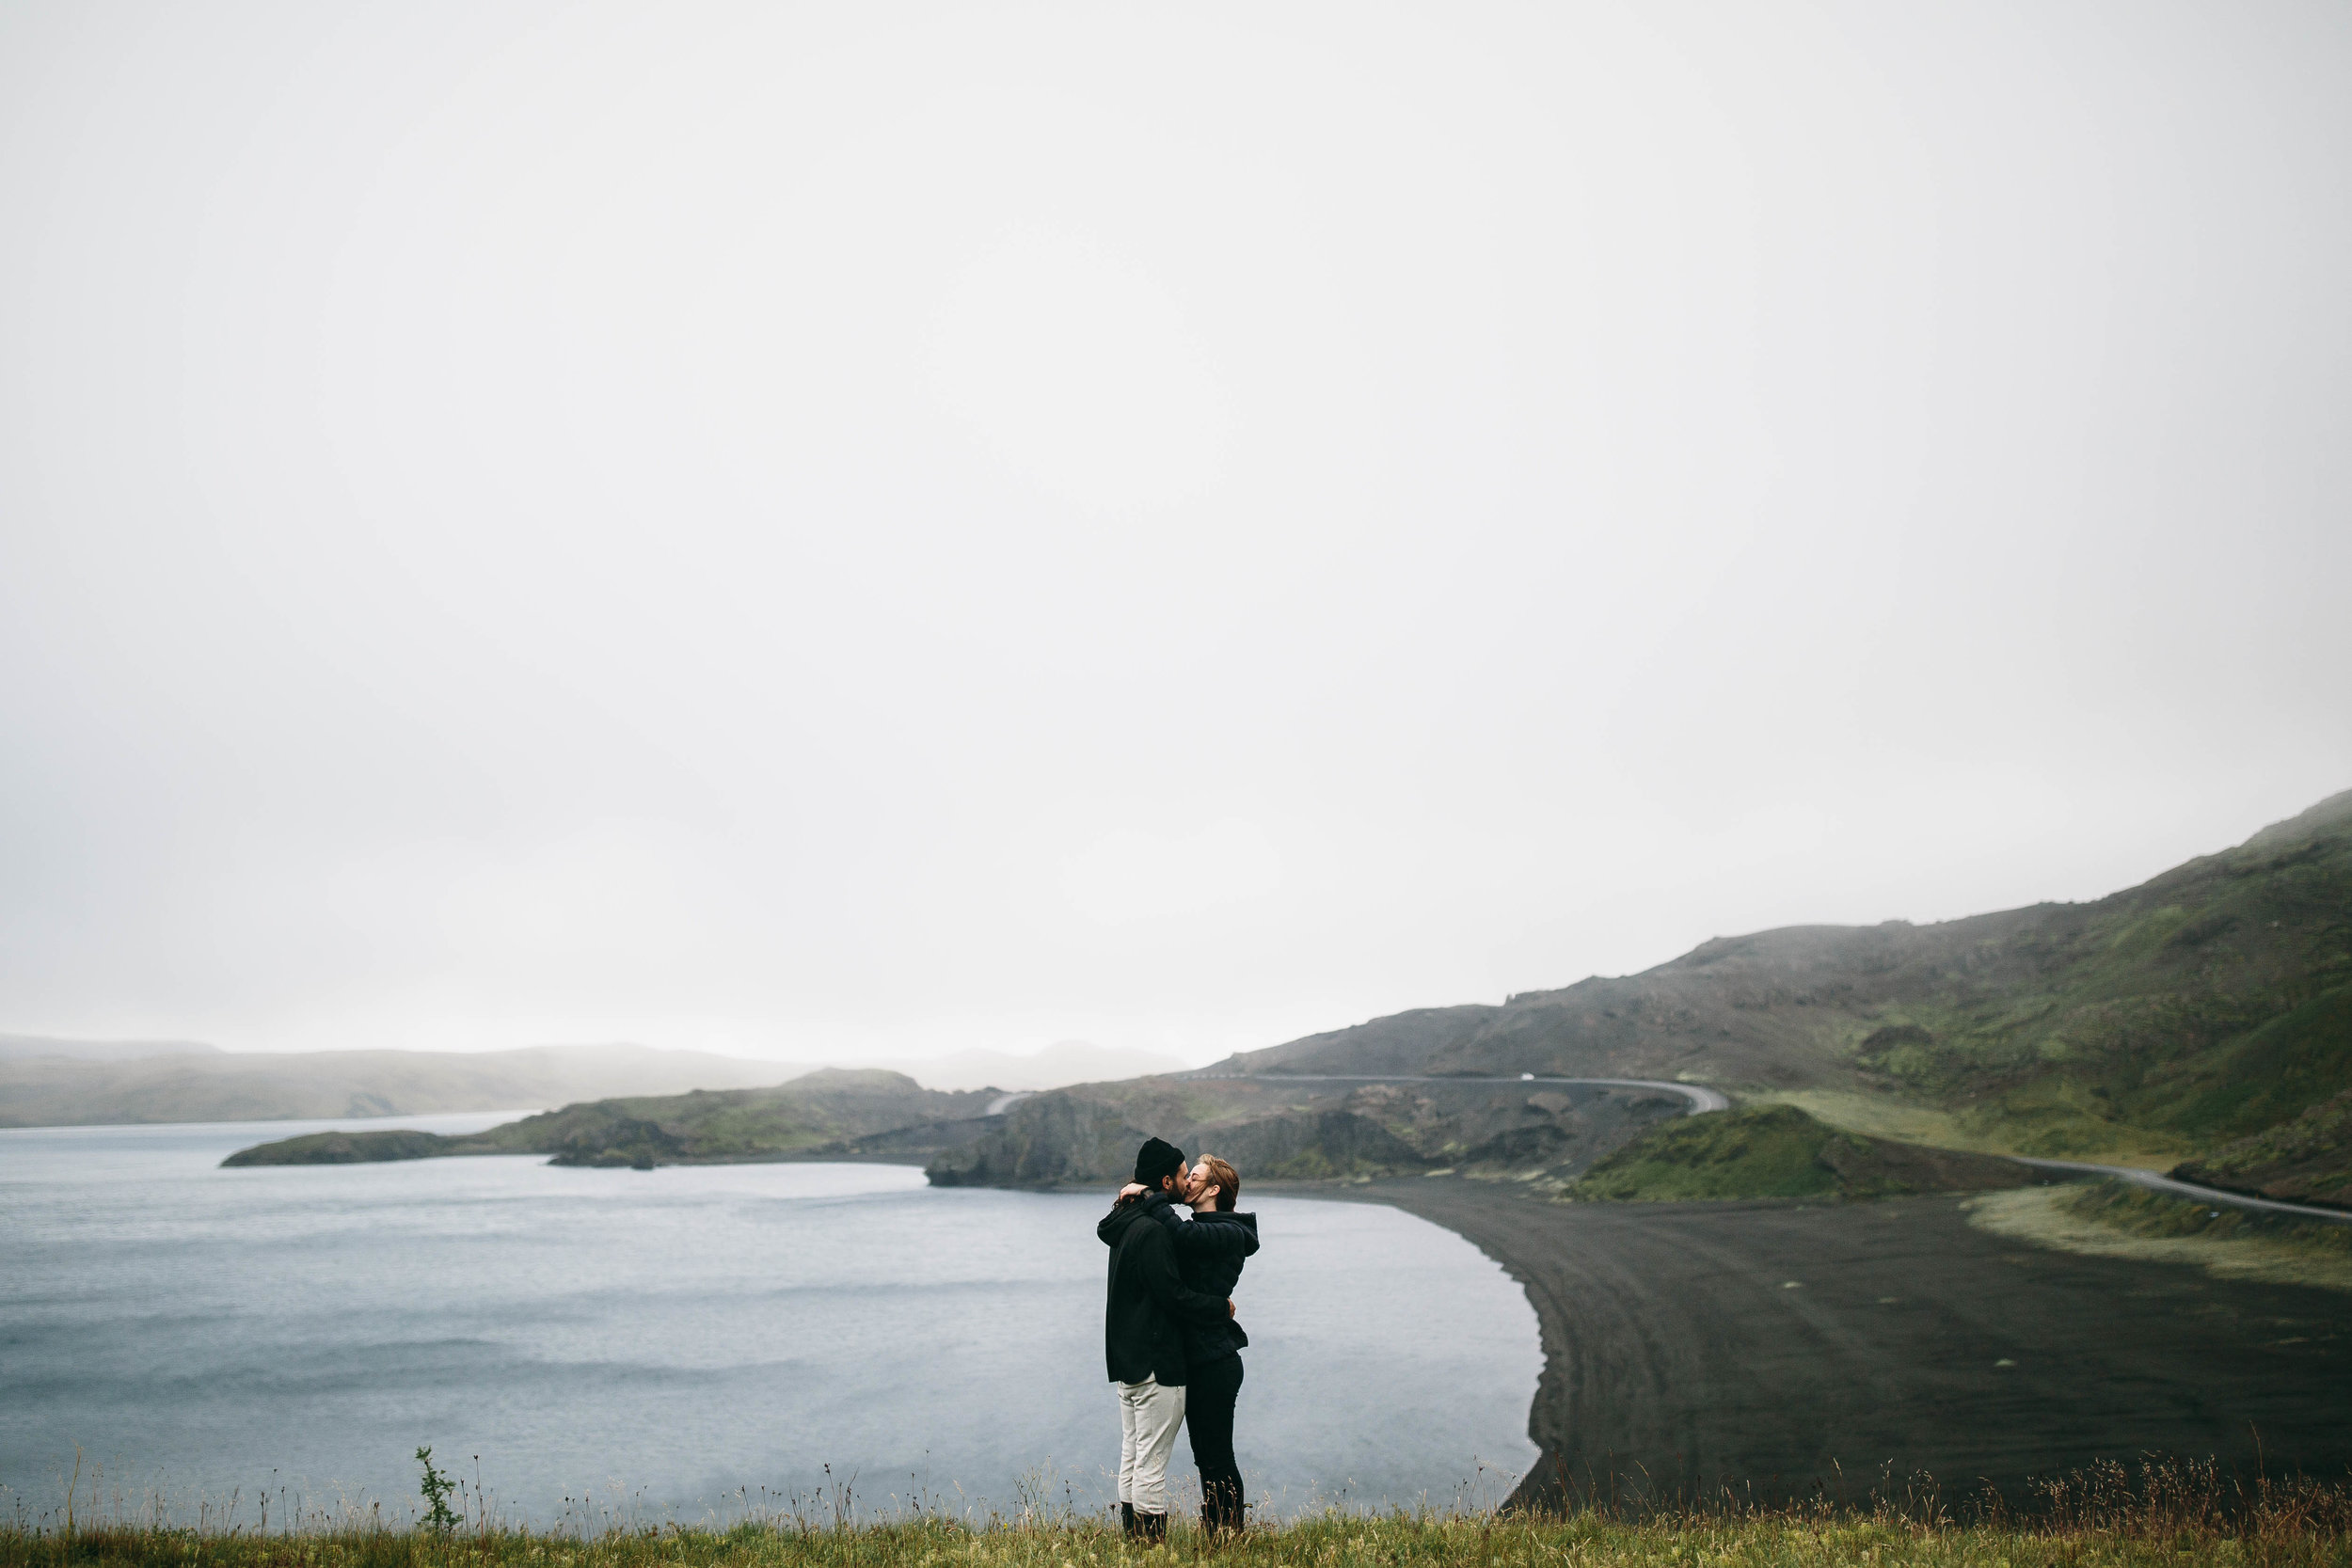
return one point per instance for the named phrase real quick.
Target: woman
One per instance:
(1211, 1247)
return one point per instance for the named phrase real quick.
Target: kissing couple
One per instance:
(1171, 1334)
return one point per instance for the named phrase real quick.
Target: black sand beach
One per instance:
(1785, 1351)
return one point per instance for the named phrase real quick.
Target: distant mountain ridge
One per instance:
(20, 1047)
(217, 1086)
(46, 1081)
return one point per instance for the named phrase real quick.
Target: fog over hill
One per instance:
(205, 1085)
(2205, 1004)
(2195, 1011)
(1063, 1063)
(15, 1047)
(46, 1081)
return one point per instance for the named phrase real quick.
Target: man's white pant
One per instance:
(1149, 1416)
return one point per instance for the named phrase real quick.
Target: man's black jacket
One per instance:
(1150, 1302)
(1210, 1249)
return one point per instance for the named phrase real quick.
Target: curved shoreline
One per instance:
(1783, 1350)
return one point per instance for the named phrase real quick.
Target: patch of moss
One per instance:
(1764, 1151)
(1779, 1151)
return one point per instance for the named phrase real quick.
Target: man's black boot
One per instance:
(1127, 1520)
(1152, 1526)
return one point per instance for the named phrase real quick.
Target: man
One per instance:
(1143, 1324)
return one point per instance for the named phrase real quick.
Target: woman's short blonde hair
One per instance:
(1224, 1178)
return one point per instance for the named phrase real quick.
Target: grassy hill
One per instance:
(830, 1114)
(2206, 1005)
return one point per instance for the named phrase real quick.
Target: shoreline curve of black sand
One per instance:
(1694, 1347)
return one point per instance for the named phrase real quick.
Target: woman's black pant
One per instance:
(1209, 1395)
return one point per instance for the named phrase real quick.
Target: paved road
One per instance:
(1700, 1097)
(2215, 1196)
(1703, 1099)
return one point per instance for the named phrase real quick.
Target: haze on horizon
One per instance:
(836, 531)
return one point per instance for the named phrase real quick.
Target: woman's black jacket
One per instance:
(1150, 1308)
(1210, 1250)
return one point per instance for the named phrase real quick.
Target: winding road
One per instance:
(1704, 1100)
(2177, 1188)
(1700, 1097)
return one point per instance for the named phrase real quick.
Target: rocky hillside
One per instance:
(1273, 1130)
(2206, 1005)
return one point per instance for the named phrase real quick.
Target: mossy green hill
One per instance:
(2206, 1005)
(1780, 1151)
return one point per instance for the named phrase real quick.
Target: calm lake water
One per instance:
(670, 1343)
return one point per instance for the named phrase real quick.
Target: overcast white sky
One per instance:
(863, 528)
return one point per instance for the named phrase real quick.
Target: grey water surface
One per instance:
(692, 1341)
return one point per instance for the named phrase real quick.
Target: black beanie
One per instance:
(1156, 1159)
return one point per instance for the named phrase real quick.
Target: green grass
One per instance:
(2170, 1516)
(2116, 1219)
(1780, 1151)
(1874, 1115)
(2139, 1212)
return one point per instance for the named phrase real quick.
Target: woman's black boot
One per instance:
(1127, 1520)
